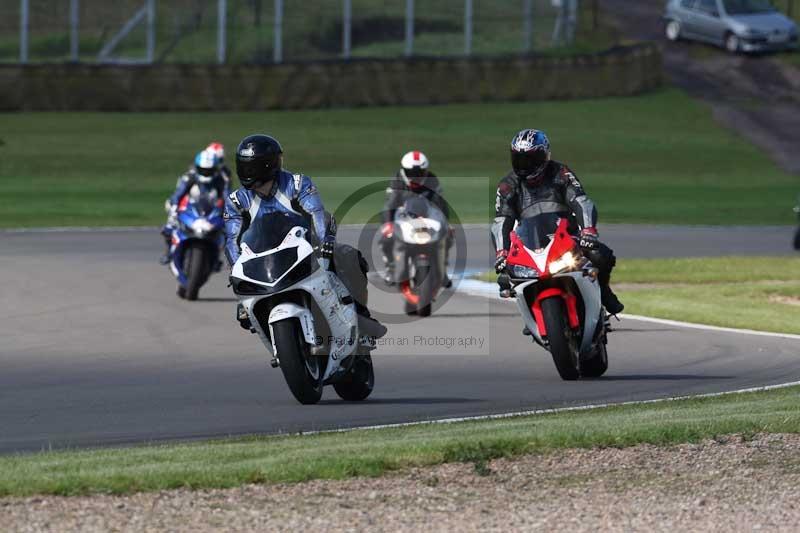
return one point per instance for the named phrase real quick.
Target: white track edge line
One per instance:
(488, 290)
(554, 410)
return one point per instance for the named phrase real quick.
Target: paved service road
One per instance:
(96, 349)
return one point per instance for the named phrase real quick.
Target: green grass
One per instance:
(761, 293)
(230, 463)
(658, 158)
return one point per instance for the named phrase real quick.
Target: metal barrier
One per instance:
(274, 31)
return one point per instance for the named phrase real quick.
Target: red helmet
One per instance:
(218, 149)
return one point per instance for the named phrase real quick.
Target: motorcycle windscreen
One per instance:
(269, 231)
(270, 268)
(537, 232)
(203, 199)
(267, 234)
(417, 207)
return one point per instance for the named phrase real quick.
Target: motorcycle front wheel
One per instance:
(196, 269)
(425, 288)
(797, 239)
(302, 371)
(565, 358)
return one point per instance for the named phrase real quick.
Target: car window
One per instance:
(708, 6)
(746, 7)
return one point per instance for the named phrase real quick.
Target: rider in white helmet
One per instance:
(206, 172)
(414, 177)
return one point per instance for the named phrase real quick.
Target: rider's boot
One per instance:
(610, 300)
(243, 317)
(367, 325)
(446, 281)
(388, 274)
(167, 257)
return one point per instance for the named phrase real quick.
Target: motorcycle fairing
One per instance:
(187, 216)
(323, 286)
(590, 293)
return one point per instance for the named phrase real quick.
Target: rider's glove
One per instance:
(326, 249)
(588, 239)
(167, 206)
(387, 230)
(501, 261)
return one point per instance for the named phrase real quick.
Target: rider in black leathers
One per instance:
(413, 178)
(539, 185)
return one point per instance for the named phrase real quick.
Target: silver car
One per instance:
(737, 25)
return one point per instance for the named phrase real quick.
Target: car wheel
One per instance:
(732, 43)
(673, 30)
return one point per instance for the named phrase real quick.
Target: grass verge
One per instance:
(655, 158)
(761, 293)
(229, 463)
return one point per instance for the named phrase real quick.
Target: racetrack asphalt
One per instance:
(96, 349)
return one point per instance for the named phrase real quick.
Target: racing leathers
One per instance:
(297, 194)
(557, 191)
(217, 183)
(396, 194)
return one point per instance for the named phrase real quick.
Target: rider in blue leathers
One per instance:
(268, 189)
(207, 172)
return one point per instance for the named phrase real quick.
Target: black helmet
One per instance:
(258, 160)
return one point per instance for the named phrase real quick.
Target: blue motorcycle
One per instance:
(197, 241)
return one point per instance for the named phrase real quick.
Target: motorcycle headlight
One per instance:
(422, 237)
(565, 262)
(518, 271)
(201, 225)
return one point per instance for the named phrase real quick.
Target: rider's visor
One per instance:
(205, 171)
(528, 163)
(414, 173)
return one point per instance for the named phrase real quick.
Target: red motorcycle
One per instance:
(558, 295)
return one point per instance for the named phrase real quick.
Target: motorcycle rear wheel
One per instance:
(357, 385)
(303, 373)
(797, 239)
(555, 319)
(597, 365)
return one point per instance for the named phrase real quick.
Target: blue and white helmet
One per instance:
(530, 152)
(205, 164)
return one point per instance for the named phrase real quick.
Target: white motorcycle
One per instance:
(302, 312)
(420, 253)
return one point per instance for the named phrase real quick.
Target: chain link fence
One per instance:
(271, 31)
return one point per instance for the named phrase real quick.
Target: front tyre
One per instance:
(554, 313)
(732, 43)
(672, 31)
(196, 269)
(797, 239)
(425, 289)
(357, 385)
(302, 372)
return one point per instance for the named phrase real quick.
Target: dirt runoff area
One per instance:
(730, 484)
